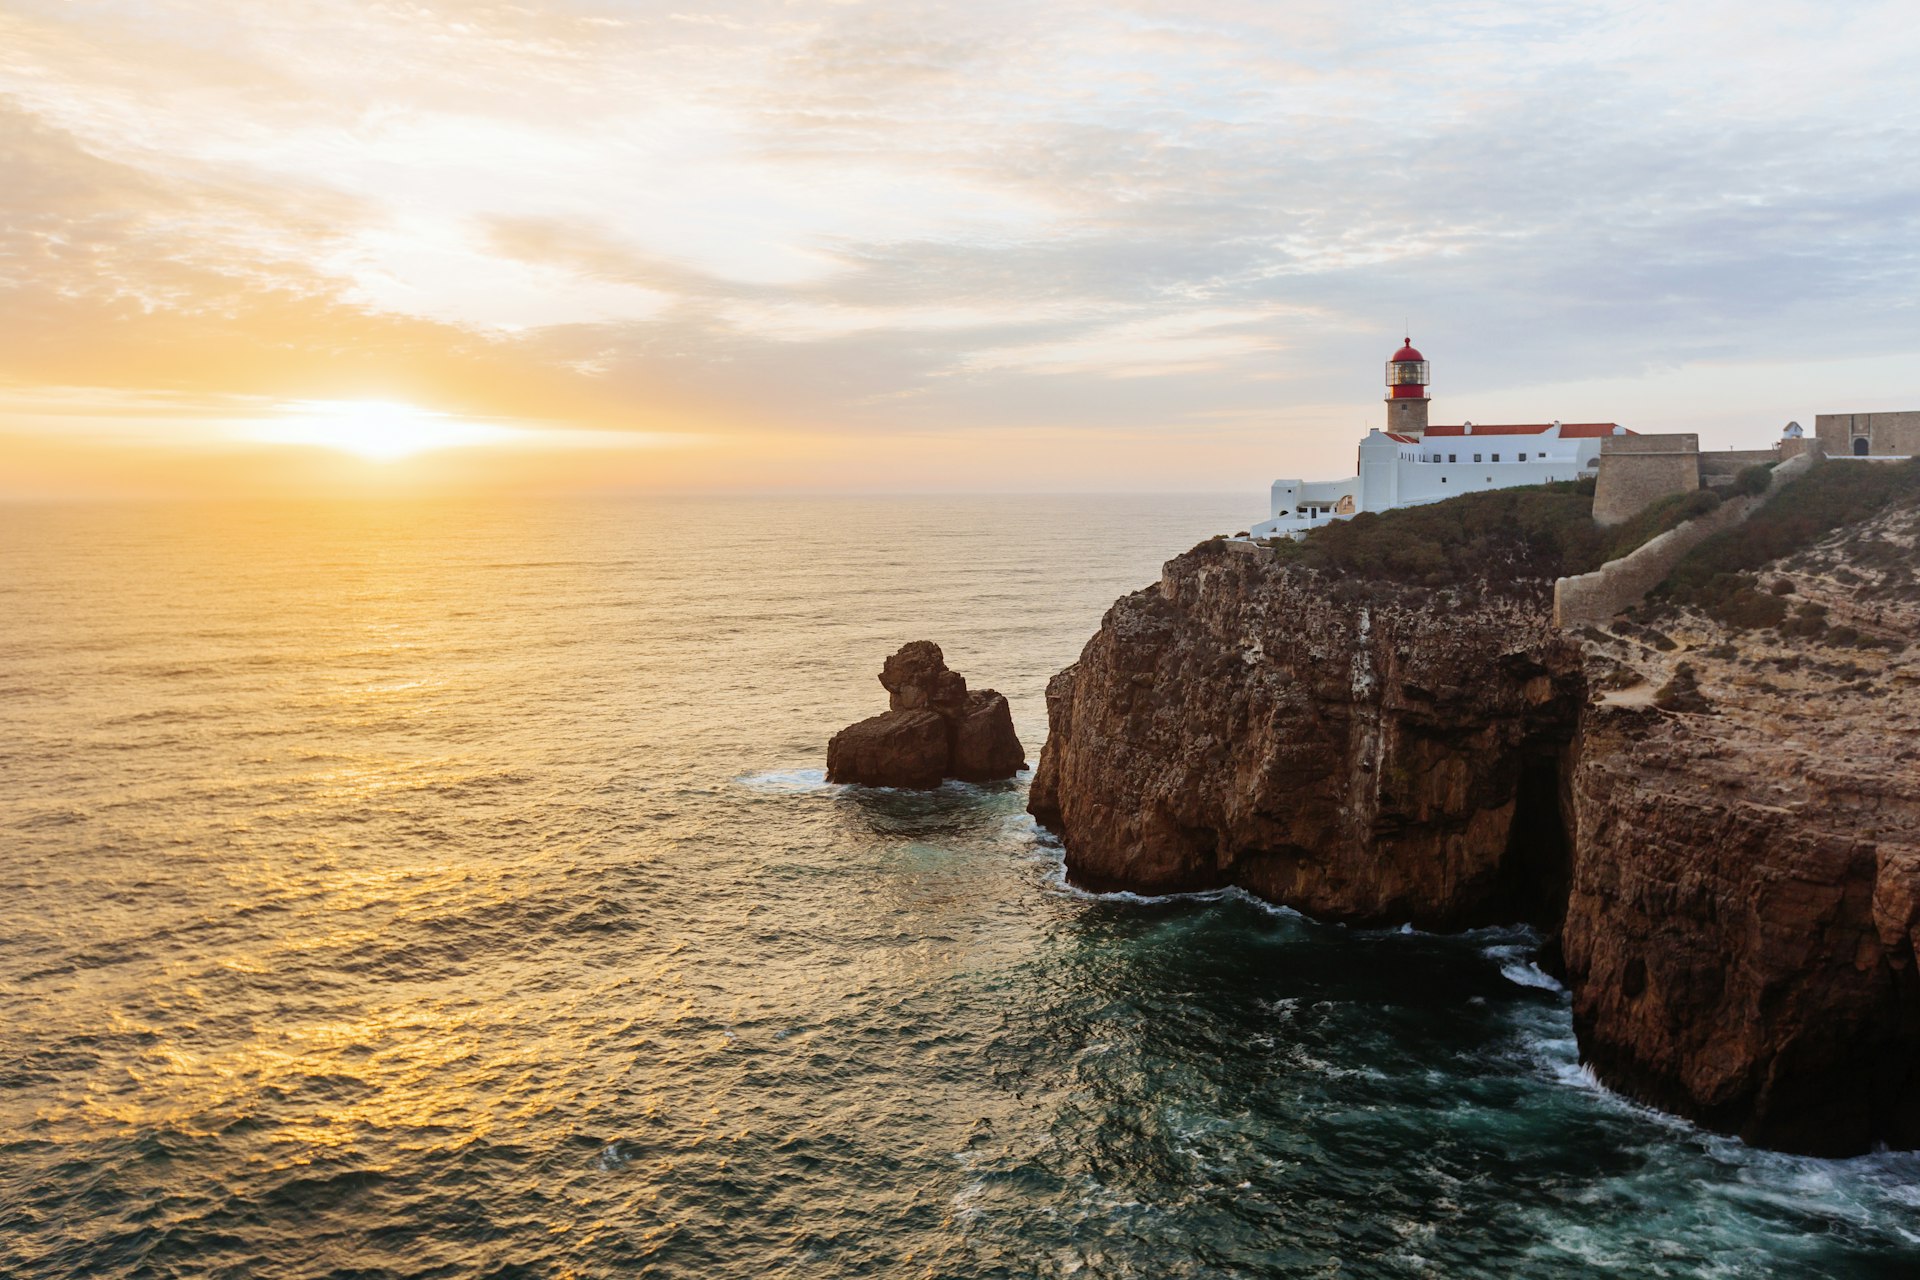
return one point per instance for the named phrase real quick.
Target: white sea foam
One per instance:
(1529, 974)
(789, 780)
(1056, 880)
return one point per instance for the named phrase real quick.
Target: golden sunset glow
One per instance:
(377, 431)
(859, 246)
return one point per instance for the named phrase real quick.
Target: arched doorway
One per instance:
(1860, 447)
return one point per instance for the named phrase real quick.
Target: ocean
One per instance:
(420, 889)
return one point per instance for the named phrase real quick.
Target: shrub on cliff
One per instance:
(1740, 606)
(1809, 619)
(1755, 480)
(1538, 531)
(1807, 509)
(1657, 518)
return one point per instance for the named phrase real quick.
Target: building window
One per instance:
(1476, 457)
(1451, 458)
(1523, 457)
(1496, 457)
(1443, 479)
(1860, 447)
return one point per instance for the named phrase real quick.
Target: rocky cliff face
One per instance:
(1745, 891)
(1380, 755)
(1731, 851)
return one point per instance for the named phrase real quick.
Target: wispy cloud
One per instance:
(870, 218)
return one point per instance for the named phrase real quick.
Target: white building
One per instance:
(1412, 462)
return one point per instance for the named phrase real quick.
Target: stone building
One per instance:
(1637, 470)
(1413, 462)
(1869, 435)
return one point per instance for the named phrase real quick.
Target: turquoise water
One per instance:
(449, 890)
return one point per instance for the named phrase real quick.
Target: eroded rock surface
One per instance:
(1745, 897)
(893, 749)
(935, 728)
(1722, 824)
(1375, 754)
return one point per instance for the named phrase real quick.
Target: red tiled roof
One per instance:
(1568, 430)
(1400, 439)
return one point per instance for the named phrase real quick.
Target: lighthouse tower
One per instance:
(1407, 397)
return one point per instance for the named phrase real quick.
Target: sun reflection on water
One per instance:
(388, 891)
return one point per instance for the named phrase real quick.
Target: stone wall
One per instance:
(1592, 598)
(1637, 470)
(1887, 434)
(1722, 468)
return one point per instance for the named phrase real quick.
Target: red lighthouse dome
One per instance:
(1407, 392)
(1407, 374)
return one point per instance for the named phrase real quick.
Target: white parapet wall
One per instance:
(1591, 599)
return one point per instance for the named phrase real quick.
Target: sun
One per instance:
(377, 430)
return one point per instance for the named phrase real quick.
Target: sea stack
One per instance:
(933, 729)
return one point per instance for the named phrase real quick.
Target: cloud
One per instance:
(872, 218)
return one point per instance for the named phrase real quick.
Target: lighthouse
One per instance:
(1407, 397)
(1414, 461)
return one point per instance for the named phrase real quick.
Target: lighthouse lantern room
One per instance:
(1407, 397)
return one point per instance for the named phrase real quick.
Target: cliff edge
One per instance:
(1386, 754)
(1712, 806)
(1744, 807)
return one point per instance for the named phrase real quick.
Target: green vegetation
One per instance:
(1539, 531)
(1809, 618)
(1547, 531)
(1718, 576)
(1657, 518)
(1755, 480)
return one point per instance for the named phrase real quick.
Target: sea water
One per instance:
(451, 889)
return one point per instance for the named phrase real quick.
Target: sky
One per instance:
(318, 245)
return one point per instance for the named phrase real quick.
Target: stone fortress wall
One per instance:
(1636, 470)
(1591, 599)
(1886, 435)
(1717, 469)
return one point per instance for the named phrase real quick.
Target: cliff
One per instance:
(1379, 755)
(1744, 804)
(1718, 813)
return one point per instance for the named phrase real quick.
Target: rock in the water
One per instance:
(894, 749)
(917, 676)
(984, 744)
(935, 729)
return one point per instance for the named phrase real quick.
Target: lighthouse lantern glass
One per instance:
(1402, 373)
